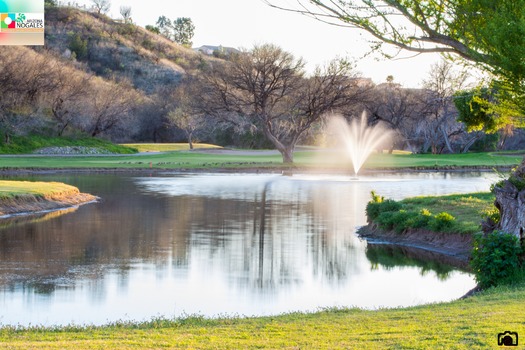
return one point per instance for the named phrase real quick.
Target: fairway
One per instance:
(246, 159)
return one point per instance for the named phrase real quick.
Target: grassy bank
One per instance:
(30, 144)
(473, 323)
(307, 160)
(461, 213)
(24, 196)
(19, 189)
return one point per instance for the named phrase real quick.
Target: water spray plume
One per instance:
(359, 139)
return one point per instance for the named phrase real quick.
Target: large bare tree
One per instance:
(267, 89)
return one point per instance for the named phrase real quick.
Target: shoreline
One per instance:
(290, 170)
(30, 204)
(455, 248)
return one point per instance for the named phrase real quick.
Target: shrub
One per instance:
(78, 46)
(442, 222)
(401, 220)
(495, 258)
(374, 208)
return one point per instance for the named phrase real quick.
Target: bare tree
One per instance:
(125, 12)
(67, 101)
(266, 89)
(441, 123)
(101, 6)
(399, 108)
(186, 115)
(108, 107)
(26, 78)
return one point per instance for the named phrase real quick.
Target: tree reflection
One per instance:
(393, 256)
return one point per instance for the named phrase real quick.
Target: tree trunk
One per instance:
(510, 201)
(447, 141)
(285, 150)
(287, 154)
(190, 140)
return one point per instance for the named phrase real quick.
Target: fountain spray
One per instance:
(359, 139)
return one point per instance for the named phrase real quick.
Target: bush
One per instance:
(78, 46)
(496, 259)
(398, 221)
(375, 207)
(442, 222)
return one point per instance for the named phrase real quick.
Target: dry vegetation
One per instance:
(24, 196)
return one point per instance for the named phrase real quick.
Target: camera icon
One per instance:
(508, 338)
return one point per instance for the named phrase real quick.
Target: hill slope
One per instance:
(115, 50)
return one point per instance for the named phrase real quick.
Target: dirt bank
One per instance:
(28, 204)
(455, 246)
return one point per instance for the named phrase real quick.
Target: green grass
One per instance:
(465, 324)
(167, 147)
(29, 144)
(464, 213)
(487, 159)
(468, 209)
(308, 159)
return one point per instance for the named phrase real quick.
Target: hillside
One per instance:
(115, 50)
(95, 77)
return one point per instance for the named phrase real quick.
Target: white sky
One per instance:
(243, 23)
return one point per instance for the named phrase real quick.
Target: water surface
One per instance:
(213, 245)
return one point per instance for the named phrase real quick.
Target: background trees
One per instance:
(266, 89)
(488, 34)
(180, 30)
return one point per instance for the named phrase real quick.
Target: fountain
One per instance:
(358, 139)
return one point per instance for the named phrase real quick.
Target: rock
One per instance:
(72, 150)
(510, 201)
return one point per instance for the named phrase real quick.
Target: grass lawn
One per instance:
(307, 159)
(467, 209)
(473, 323)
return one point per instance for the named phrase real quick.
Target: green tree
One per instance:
(165, 27)
(183, 31)
(489, 34)
(475, 114)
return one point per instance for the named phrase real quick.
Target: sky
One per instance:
(245, 23)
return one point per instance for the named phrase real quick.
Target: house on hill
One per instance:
(217, 51)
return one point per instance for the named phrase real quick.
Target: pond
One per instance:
(216, 245)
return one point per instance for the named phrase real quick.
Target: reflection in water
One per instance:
(15, 220)
(391, 257)
(215, 244)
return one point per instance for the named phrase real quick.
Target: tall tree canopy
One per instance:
(490, 34)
